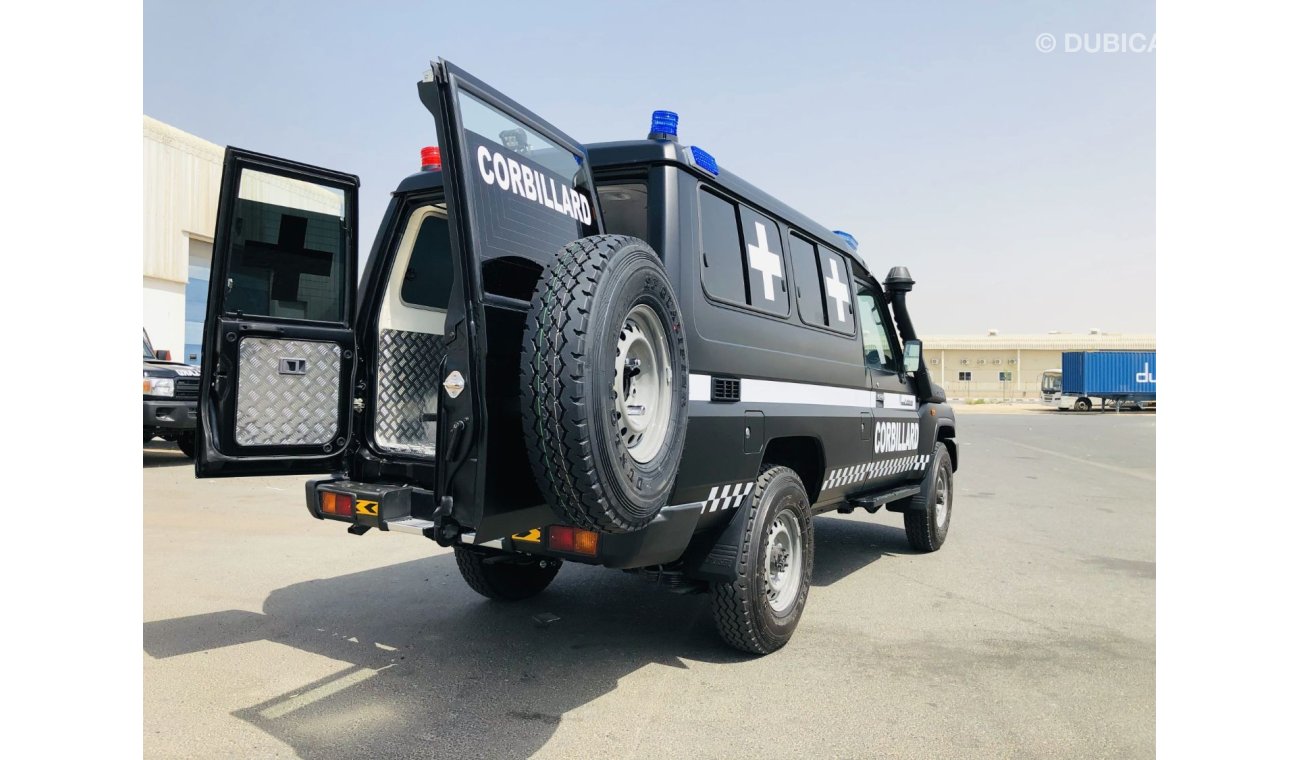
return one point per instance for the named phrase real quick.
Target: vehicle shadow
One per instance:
(844, 546)
(433, 669)
(160, 453)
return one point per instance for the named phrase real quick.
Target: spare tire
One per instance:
(605, 384)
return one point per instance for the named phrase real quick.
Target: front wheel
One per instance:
(1083, 405)
(504, 577)
(931, 510)
(759, 611)
(186, 443)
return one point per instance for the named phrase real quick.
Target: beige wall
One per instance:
(164, 315)
(1025, 365)
(182, 180)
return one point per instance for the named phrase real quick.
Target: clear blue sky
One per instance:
(1018, 186)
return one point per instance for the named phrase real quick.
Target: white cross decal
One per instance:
(765, 261)
(837, 289)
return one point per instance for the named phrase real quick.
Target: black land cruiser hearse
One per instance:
(618, 354)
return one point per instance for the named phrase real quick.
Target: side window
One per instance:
(289, 249)
(724, 266)
(807, 281)
(877, 353)
(963, 376)
(835, 283)
(768, 290)
(822, 282)
(428, 276)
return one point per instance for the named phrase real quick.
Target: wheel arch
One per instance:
(947, 435)
(803, 454)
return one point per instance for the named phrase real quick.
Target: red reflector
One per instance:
(431, 158)
(561, 538)
(332, 503)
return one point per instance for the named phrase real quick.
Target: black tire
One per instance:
(1083, 405)
(742, 610)
(926, 522)
(575, 436)
(186, 443)
(147, 438)
(507, 581)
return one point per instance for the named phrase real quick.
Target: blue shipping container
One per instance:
(1109, 374)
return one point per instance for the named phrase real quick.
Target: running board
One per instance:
(873, 502)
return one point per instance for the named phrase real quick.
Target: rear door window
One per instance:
(531, 196)
(288, 249)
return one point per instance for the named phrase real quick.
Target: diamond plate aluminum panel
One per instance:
(407, 388)
(274, 409)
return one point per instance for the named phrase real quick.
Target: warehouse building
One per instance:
(1011, 367)
(182, 182)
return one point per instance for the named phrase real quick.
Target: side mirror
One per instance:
(162, 355)
(911, 356)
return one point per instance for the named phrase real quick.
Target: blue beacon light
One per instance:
(852, 241)
(663, 126)
(703, 160)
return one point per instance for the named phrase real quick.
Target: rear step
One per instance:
(410, 525)
(874, 502)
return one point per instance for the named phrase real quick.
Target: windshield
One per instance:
(1051, 382)
(148, 349)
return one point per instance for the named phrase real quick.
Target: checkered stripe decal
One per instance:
(847, 476)
(726, 497)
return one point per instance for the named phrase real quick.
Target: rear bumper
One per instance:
(408, 509)
(170, 414)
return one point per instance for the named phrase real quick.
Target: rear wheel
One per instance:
(759, 611)
(500, 576)
(604, 384)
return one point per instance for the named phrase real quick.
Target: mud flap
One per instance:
(719, 561)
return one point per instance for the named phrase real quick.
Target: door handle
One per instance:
(293, 366)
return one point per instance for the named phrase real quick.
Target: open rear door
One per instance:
(278, 341)
(517, 191)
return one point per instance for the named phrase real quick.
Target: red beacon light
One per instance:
(431, 159)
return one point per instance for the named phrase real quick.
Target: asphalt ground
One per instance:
(1030, 634)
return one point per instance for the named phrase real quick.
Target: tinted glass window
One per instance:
(837, 287)
(876, 351)
(765, 263)
(427, 281)
(723, 260)
(288, 249)
(807, 281)
(625, 208)
(531, 196)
